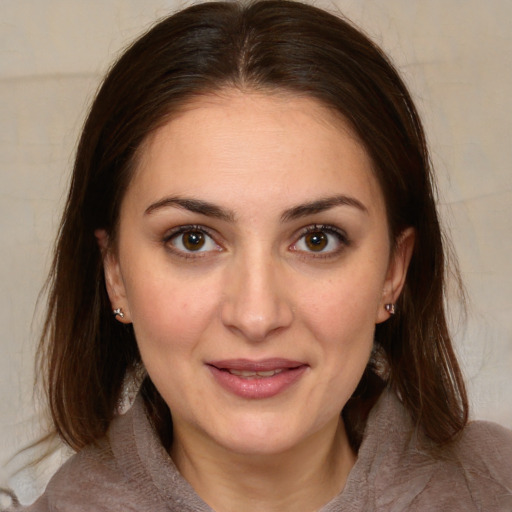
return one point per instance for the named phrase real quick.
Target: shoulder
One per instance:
(127, 470)
(484, 451)
(89, 480)
(484, 433)
(101, 477)
(399, 468)
(474, 470)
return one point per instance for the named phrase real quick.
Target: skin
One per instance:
(258, 288)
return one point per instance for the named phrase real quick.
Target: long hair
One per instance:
(267, 45)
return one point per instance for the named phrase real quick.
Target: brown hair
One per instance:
(266, 45)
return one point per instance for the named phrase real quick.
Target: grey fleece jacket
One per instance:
(129, 470)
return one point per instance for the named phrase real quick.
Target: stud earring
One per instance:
(118, 312)
(390, 308)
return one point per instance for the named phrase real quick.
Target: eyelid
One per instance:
(326, 228)
(214, 236)
(178, 230)
(182, 228)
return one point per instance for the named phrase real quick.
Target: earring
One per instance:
(390, 308)
(118, 312)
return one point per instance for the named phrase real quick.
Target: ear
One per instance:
(113, 277)
(397, 272)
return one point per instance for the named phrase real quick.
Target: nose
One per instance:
(255, 303)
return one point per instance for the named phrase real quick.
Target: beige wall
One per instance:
(456, 56)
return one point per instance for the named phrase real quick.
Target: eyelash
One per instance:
(175, 233)
(315, 228)
(328, 229)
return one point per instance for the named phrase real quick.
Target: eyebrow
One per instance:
(192, 205)
(321, 205)
(212, 210)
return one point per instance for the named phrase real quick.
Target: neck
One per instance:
(302, 479)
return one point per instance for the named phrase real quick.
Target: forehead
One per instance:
(226, 145)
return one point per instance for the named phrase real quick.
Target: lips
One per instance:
(257, 379)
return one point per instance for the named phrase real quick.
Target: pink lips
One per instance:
(256, 379)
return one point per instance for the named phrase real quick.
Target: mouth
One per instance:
(257, 379)
(247, 374)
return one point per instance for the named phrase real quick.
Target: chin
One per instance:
(254, 436)
(248, 445)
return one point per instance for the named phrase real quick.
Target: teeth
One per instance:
(269, 373)
(241, 373)
(248, 374)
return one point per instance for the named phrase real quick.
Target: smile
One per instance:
(257, 379)
(254, 375)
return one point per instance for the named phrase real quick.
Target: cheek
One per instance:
(342, 315)
(169, 312)
(343, 305)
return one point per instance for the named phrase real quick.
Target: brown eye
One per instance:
(321, 240)
(190, 239)
(193, 240)
(316, 241)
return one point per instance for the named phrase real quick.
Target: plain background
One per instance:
(455, 55)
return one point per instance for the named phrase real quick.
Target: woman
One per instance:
(251, 235)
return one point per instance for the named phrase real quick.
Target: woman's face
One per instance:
(253, 260)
